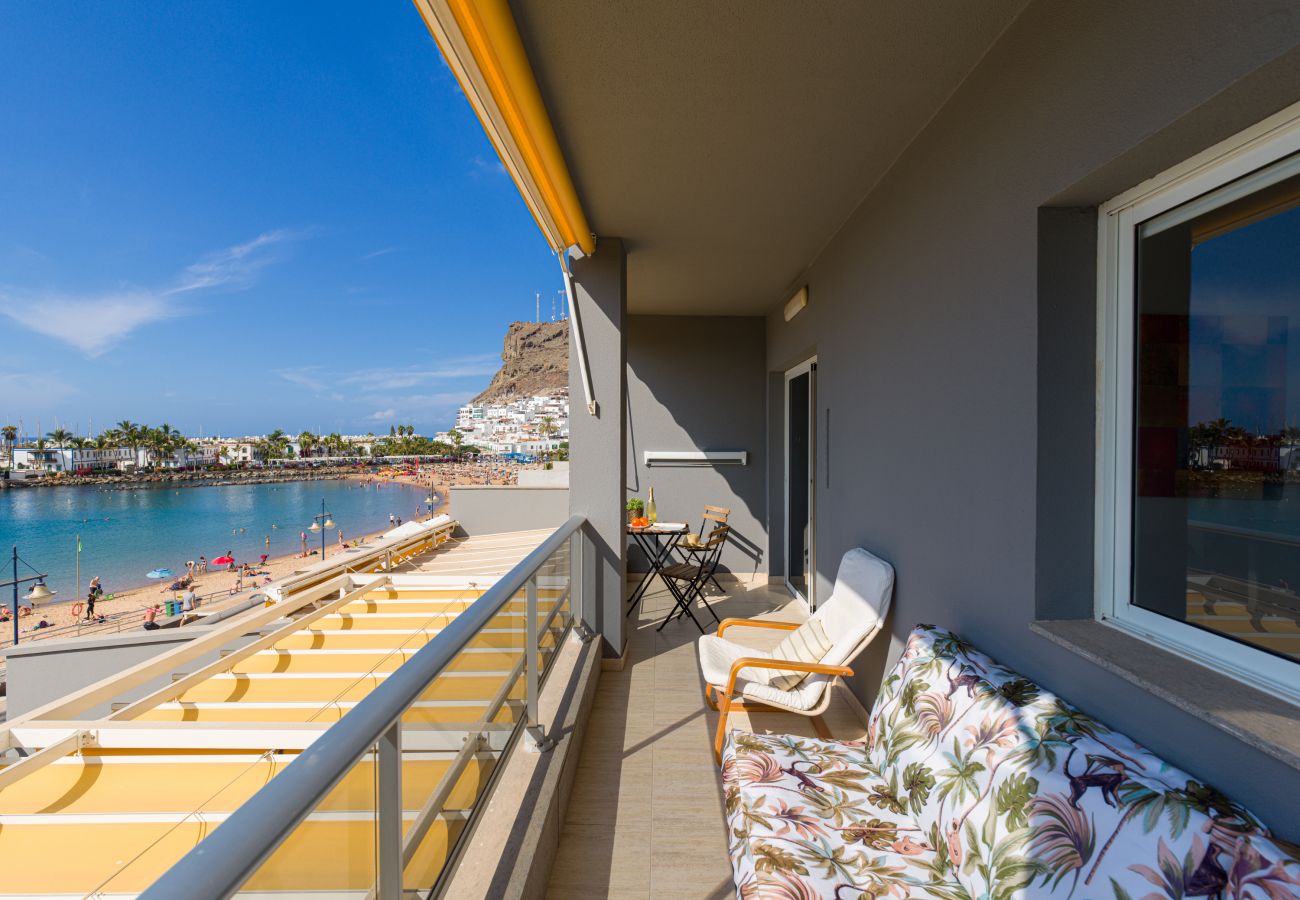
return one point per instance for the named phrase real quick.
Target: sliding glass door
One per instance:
(800, 479)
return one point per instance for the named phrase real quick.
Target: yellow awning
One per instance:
(482, 46)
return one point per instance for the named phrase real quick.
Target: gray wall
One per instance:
(489, 509)
(43, 671)
(597, 442)
(953, 321)
(697, 383)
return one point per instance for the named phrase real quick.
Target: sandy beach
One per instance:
(216, 588)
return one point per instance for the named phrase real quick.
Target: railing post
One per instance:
(578, 595)
(536, 738)
(388, 862)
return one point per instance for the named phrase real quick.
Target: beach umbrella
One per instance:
(223, 560)
(160, 573)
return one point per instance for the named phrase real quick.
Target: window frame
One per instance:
(1117, 222)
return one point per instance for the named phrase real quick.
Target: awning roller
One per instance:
(482, 46)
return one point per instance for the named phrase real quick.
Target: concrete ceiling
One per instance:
(727, 141)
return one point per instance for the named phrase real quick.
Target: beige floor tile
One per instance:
(646, 815)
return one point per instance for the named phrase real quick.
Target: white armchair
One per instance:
(797, 674)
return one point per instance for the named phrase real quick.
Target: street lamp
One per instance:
(321, 523)
(428, 501)
(37, 593)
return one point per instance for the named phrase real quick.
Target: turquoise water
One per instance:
(125, 534)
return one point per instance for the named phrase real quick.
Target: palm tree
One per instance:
(457, 441)
(128, 434)
(10, 433)
(306, 443)
(59, 437)
(274, 446)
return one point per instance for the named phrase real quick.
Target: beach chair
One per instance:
(797, 675)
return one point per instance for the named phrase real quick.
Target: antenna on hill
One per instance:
(552, 309)
(538, 297)
(564, 305)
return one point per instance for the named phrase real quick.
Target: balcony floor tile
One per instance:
(646, 818)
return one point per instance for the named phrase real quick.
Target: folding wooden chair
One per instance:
(695, 548)
(686, 580)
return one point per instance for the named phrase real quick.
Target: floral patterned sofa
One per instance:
(976, 783)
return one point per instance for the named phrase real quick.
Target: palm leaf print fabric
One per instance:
(977, 783)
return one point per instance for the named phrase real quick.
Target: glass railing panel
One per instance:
(161, 807)
(462, 705)
(335, 848)
(490, 678)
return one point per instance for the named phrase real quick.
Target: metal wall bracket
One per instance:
(536, 741)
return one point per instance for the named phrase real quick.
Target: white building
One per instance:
(528, 425)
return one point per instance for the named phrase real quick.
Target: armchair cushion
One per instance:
(716, 656)
(808, 643)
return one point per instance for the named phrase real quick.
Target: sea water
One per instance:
(127, 533)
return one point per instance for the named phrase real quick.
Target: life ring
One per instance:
(77, 608)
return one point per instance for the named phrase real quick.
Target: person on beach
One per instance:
(187, 600)
(392, 519)
(149, 615)
(91, 596)
(95, 587)
(189, 568)
(203, 564)
(268, 545)
(231, 555)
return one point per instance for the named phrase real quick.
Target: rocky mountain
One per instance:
(535, 360)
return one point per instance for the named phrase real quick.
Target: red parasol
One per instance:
(223, 560)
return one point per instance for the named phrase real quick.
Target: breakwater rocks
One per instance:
(143, 480)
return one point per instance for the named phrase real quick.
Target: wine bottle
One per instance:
(650, 511)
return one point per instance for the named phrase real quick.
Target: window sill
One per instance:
(1268, 724)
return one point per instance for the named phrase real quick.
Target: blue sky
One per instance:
(239, 216)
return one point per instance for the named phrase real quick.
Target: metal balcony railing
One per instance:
(375, 806)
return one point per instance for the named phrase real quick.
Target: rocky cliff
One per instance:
(535, 360)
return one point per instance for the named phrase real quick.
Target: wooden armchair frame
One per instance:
(726, 703)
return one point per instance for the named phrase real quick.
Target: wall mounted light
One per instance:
(697, 457)
(796, 304)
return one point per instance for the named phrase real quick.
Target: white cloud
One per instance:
(396, 379)
(399, 378)
(492, 166)
(383, 251)
(303, 376)
(93, 322)
(382, 415)
(237, 265)
(33, 388)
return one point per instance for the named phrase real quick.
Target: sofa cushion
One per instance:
(802, 823)
(1026, 795)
